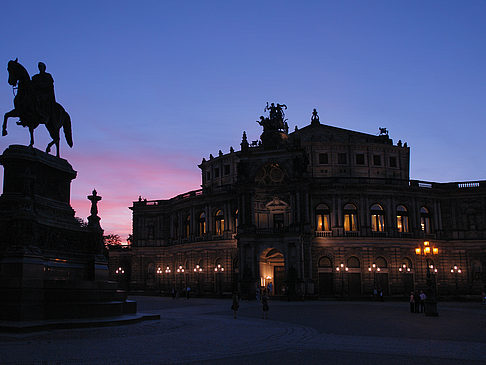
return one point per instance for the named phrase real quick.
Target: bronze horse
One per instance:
(28, 110)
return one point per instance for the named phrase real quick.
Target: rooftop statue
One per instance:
(275, 121)
(383, 132)
(315, 118)
(35, 104)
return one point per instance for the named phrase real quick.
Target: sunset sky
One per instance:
(153, 87)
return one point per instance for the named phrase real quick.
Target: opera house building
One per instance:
(317, 212)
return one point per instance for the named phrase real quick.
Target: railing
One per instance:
(351, 233)
(323, 233)
(472, 184)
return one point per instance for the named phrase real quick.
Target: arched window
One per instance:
(201, 224)
(353, 262)
(377, 218)
(325, 262)
(402, 219)
(350, 217)
(425, 220)
(322, 218)
(381, 262)
(187, 226)
(219, 223)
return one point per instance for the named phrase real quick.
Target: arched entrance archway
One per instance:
(272, 271)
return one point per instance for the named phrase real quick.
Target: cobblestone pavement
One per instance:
(315, 332)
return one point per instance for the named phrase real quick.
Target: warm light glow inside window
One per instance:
(202, 224)
(219, 223)
(350, 218)
(425, 220)
(402, 219)
(377, 218)
(322, 218)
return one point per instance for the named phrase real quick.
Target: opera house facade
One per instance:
(318, 212)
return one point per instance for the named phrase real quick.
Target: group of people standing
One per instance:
(262, 296)
(417, 302)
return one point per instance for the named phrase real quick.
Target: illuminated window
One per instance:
(377, 218)
(202, 224)
(425, 220)
(350, 218)
(402, 219)
(219, 221)
(188, 226)
(322, 218)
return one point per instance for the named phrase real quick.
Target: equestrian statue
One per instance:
(35, 104)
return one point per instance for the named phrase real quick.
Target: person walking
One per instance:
(412, 303)
(422, 301)
(236, 304)
(265, 304)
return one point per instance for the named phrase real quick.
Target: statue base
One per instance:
(51, 266)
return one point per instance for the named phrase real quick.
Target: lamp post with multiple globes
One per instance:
(342, 269)
(180, 271)
(456, 270)
(167, 272)
(159, 274)
(218, 270)
(198, 270)
(426, 251)
(375, 268)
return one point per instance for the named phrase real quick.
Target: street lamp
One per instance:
(456, 270)
(374, 268)
(404, 268)
(342, 269)
(218, 270)
(119, 273)
(168, 271)
(159, 274)
(180, 270)
(198, 271)
(426, 250)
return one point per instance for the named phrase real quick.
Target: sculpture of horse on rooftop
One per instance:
(30, 108)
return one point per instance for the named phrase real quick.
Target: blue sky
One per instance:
(153, 87)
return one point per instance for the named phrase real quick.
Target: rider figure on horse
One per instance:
(43, 85)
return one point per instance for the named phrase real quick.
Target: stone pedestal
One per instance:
(51, 266)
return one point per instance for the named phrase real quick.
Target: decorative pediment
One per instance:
(276, 205)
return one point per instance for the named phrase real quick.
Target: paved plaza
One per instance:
(312, 332)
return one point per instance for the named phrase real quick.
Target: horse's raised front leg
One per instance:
(31, 130)
(10, 114)
(48, 149)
